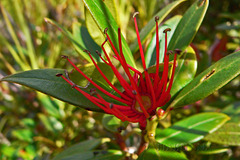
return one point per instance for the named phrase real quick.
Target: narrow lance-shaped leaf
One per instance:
(79, 41)
(104, 19)
(83, 146)
(81, 35)
(209, 80)
(45, 81)
(151, 24)
(92, 26)
(189, 25)
(191, 129)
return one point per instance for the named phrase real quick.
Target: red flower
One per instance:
(145, 92)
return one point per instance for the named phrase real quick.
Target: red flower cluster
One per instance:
(145, 92)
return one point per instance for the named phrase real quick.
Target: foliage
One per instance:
(204, 123)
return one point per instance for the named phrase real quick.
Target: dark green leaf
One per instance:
(191, 129)
(189, 25)
(80, 42)
(44, 80)
(96, 155)
(228, 134)
(82, 37)
(104, 19)
(81, 148)
(209, 80)
(151, 24)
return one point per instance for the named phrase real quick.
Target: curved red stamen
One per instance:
(115, 111)
(148, 81)
(122, 81)
(97, 86)
(157, 55)
(91, 98)
(106, 79)
(163, 81)
(125, 67)
(165, 94)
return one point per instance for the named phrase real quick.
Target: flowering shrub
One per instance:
(137, 87)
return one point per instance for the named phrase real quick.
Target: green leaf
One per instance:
(112, 123)
(81, 148)
(84, 40)
(189, 25)
(151, 24)
(96, 34)
(191, 129)
(209, 80)
(96, 155)
(185, 71)
(161, 155)
(80, 39)
(233, 111)
(150, 56)
(228, 134)
(104, 19)
(45, 81)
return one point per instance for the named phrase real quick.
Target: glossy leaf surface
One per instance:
(104, 19)
(209, 80)
(151, 24)
(228, 134)
(189, 25)
(82, 147)
(191, 129)
(45, 81)
(150, 56)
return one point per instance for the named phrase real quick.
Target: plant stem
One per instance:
(121, 142)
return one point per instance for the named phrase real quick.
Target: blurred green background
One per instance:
(35, 126)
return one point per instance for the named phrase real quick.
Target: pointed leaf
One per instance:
(80, 39)
(81, 148)
(209, 80)
(228, 134)
(189, 25)
(96, 155)
(104, 19)
(95, 33)
(44, 80)
(81, 35)
(191, 129)
(151, 24)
